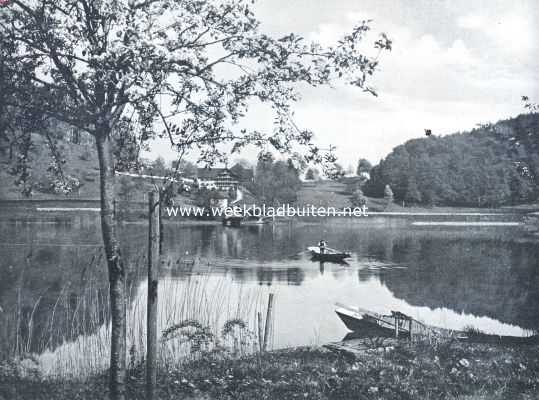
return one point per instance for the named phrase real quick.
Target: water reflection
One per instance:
(449, 277)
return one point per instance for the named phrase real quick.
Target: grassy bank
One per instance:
(338, 194)
(420, 371)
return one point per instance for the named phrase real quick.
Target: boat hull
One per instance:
(328, 256)
(364, 323)
(364, 327)
(368, 324)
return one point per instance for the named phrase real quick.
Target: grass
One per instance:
(338, 194)
(448, 370)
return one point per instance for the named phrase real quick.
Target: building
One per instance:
(217, 178)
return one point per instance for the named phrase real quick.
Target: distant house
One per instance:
(217, 178)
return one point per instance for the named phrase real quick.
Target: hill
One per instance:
(80, 163)
(490, 166)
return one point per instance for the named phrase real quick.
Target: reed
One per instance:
(68, 335)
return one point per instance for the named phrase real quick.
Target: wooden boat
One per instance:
(369, 323)
(366, 323)
(328, 254)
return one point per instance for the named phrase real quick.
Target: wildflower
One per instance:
(465, 363)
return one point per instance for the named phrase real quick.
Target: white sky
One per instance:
(454, 64)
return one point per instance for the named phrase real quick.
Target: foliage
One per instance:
(108, 67)
(276, 182)
(236, 333)
(358, 198)
(448, 370)
(312, 174)
(185, 168)
(204, 196)
(336, 171)
(484, 167)
(363, 166)
(190, 331)
(157, 167)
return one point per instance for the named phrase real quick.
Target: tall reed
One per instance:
(69, 335)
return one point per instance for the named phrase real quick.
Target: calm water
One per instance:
(449, 276)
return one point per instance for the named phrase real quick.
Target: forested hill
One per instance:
(493, 165)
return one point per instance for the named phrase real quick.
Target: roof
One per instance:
(212, 173)
(245, 174)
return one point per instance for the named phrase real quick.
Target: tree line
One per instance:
(490, 166)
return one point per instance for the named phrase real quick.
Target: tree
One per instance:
(312, 174)
(335, 172)
(413, 195)
(158, 167)
(388, 195)
(155, 67)
(363, 166)
(358, 198)
(186, 168)
(276, 182)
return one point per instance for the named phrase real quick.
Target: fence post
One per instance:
(269, 318)
(154, 236)
(260, 337)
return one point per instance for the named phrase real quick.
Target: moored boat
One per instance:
(369, 323)
(366, 323)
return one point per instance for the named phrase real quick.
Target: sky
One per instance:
(454, 64)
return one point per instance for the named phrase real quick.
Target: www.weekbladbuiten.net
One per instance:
(263, 211)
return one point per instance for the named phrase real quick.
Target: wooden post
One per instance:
(154, 237)
(396, 326)
(269, 318)
(410, 328)
(260, 337)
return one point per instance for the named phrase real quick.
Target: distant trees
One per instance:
(186, 168)
(358, 198)
(312, 174)
(413, 195)
(158, 167)
(336, 171)
(276, 182)
(482, 168)
(363, 166)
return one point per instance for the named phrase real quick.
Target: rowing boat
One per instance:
(396, 324)
(328, 254)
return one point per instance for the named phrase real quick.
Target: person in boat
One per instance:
(322, 246)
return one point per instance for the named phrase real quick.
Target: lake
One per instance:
(53, 290)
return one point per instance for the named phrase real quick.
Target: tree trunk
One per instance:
(154, 253)
(115, 267)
